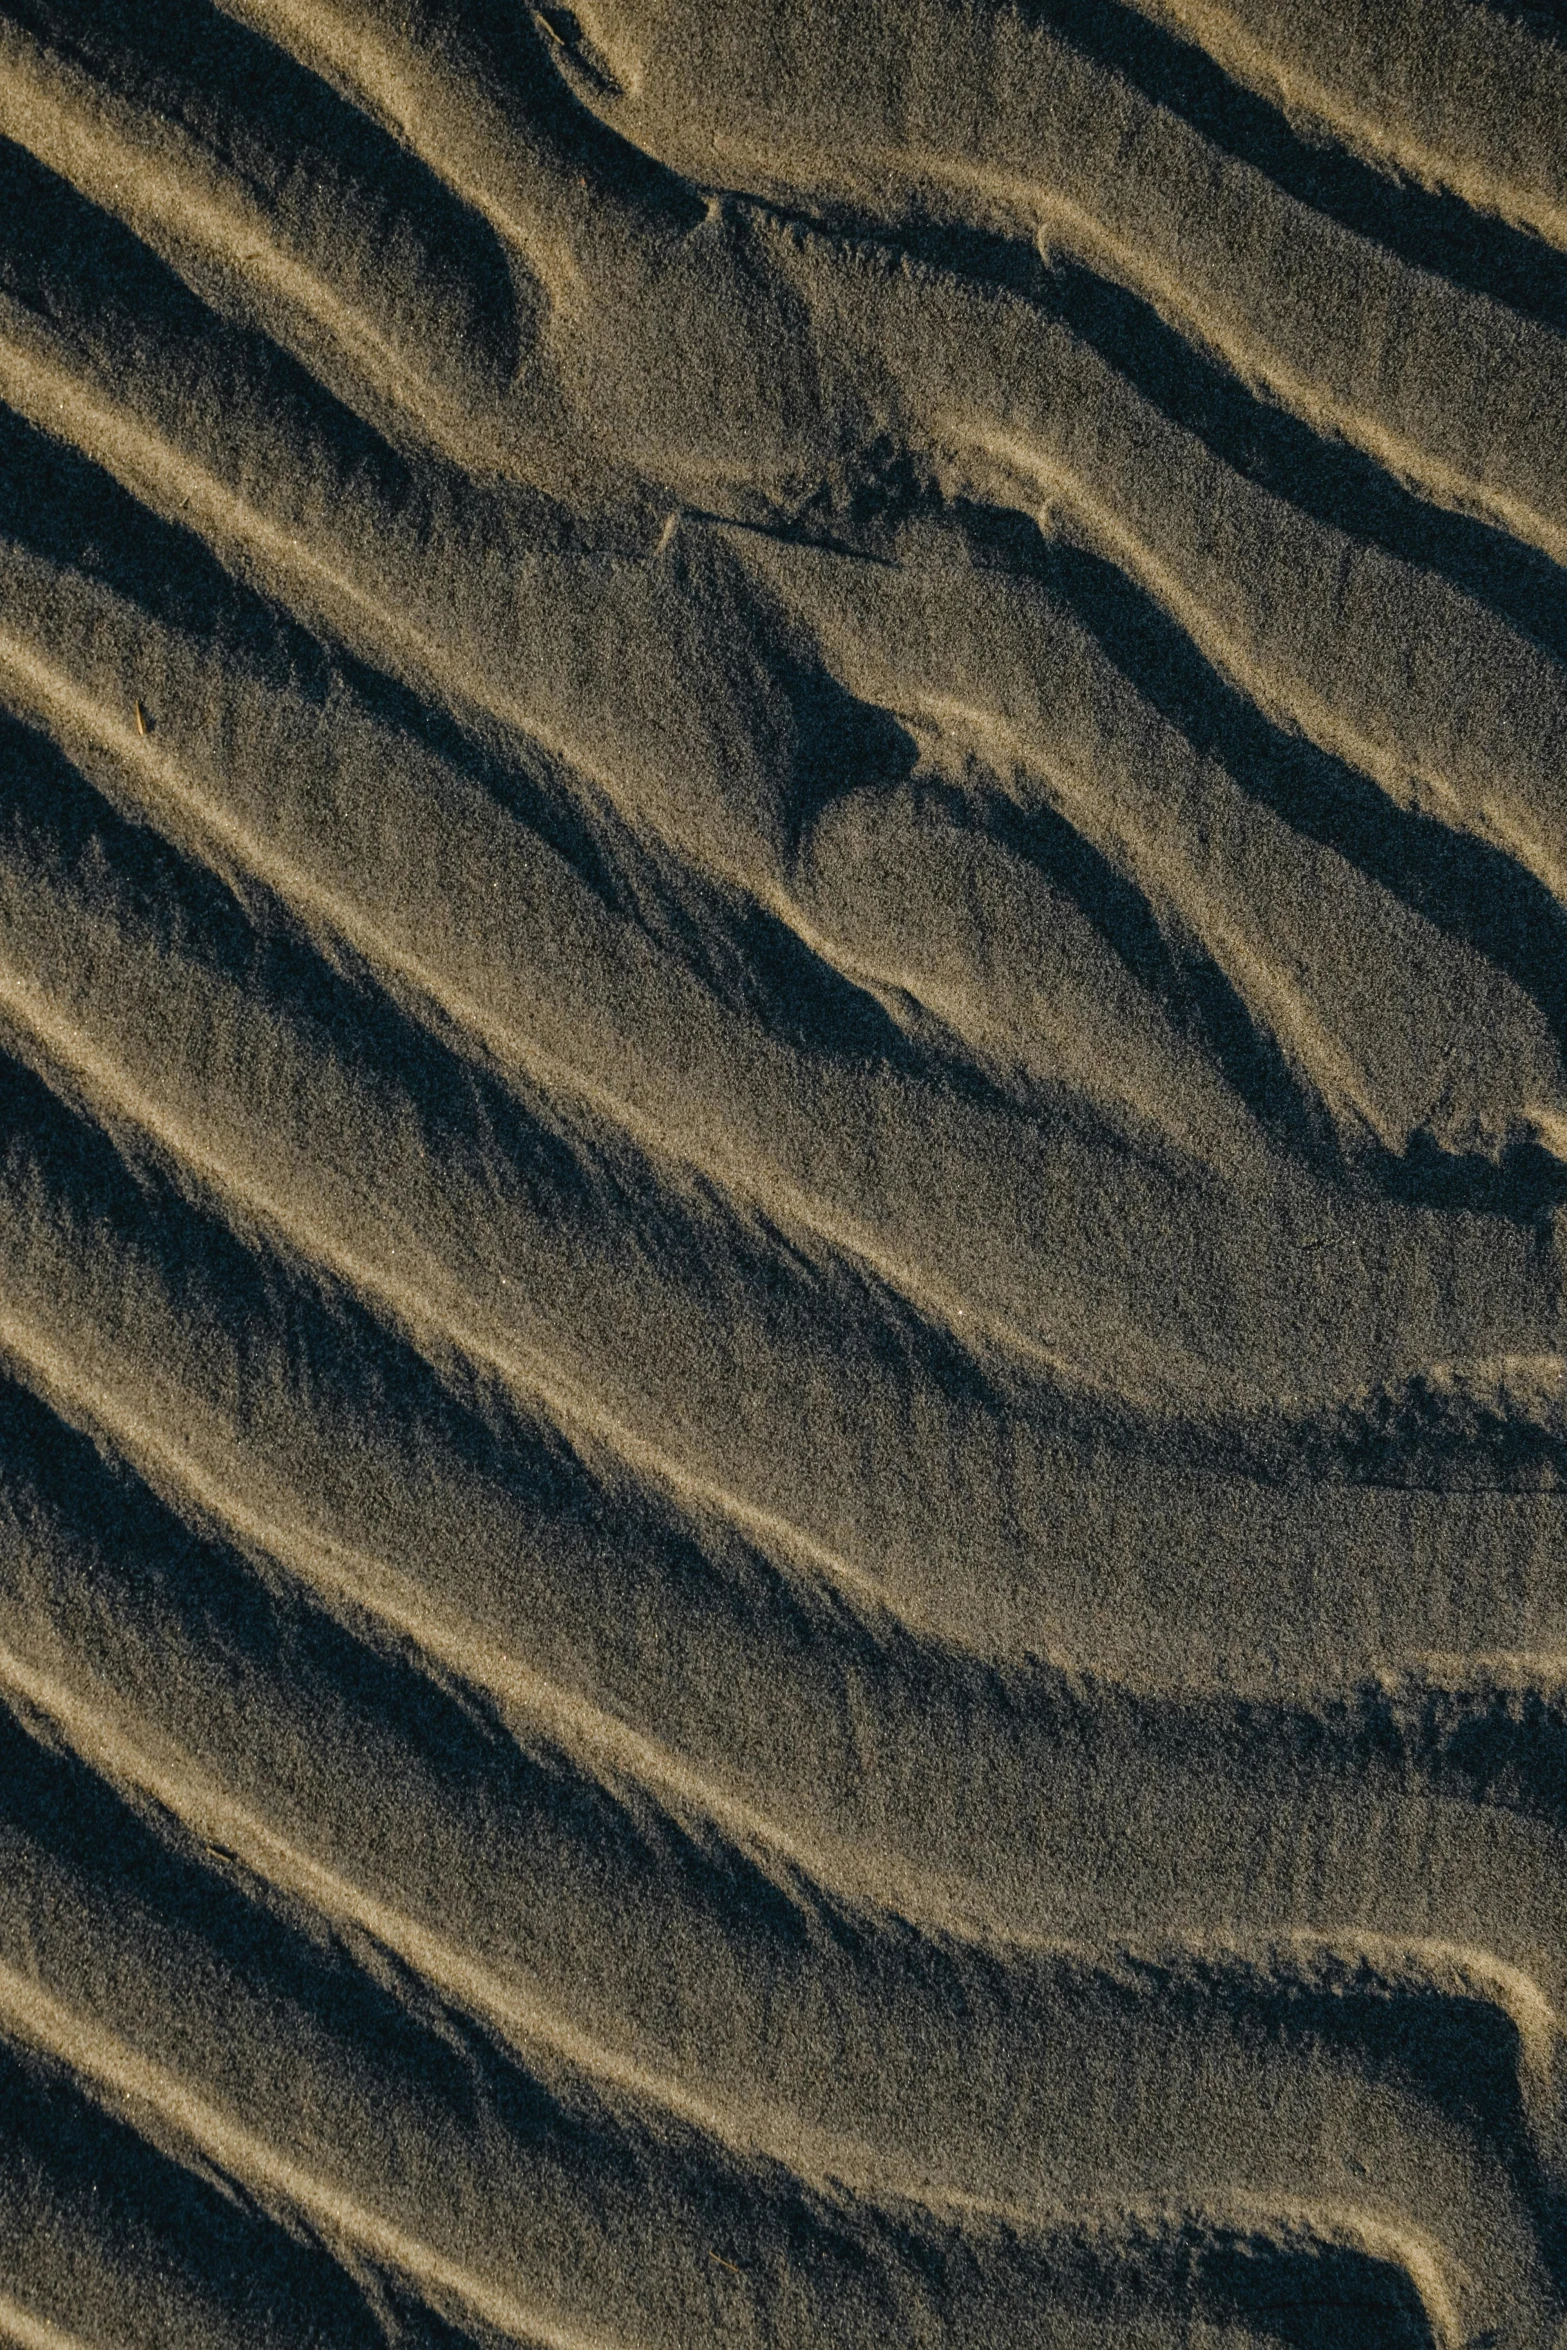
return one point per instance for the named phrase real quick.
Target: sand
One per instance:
(783, 1348)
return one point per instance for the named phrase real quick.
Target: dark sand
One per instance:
(783, 971)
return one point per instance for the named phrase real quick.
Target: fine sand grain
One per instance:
(783, 1348)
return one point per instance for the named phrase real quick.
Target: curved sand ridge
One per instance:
(783, 1388)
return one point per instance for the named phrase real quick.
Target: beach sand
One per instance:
(783, 1349)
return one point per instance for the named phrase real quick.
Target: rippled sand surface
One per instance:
(783, 1357)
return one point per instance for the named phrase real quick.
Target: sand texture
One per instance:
(783, 1295)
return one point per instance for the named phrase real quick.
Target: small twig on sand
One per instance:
(728, 2264)
(141, 718)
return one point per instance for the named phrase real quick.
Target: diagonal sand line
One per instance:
(160, 773)
(27, 2332)
(1296, 87)
(205, 1810)
(116, 2073)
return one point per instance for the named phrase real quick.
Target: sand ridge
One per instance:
(783, 1368)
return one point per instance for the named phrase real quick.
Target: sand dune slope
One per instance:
(783, 1355)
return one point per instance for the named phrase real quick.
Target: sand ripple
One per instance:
(783, 1376)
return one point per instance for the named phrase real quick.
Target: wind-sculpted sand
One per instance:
(783, 1363)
